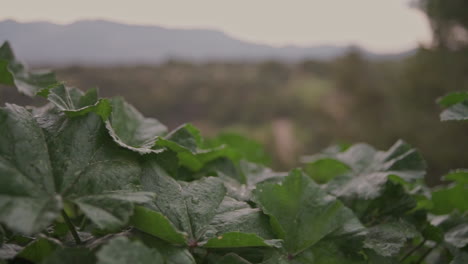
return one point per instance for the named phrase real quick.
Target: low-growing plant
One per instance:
(85, 179)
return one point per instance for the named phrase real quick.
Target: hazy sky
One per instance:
(379, 25)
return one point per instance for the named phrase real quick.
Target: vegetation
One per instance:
(85, 179)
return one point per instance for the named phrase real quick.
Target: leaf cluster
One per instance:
(85, 179)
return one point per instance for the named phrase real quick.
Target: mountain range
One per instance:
(100, 42)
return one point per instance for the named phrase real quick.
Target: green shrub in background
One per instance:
(85, 179)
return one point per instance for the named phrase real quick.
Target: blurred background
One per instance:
(297, 76)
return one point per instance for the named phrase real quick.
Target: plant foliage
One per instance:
(85, 179)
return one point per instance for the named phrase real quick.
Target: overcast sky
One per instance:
(378, 25)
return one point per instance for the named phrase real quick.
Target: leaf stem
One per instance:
(71, 227)
(413, 250)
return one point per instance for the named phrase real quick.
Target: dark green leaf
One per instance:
(393, 201)
(250, 175)
(28, 202)
(2, 235)
(156, 224)
(9, 251)
(300, 212)
(324, 252)
(375, 258)
(445, 200)
(71, 256)
(457, 112)
(121, 250)
(457, 106)
(389, 238)
(53, 157)
(232, 258)
(238, 239)
(74, 102)
(84, 158)
(199, 208)
(458, 236)
(130, 129)
(461, 258)
(13, 72)
(171, 254)
(5, 76)
(111, 210)
(38, 250)
(328, 253)
(433, 233)
(237, 216)
(371, 168)
(449, 221)
(187, 143)
(189, 206)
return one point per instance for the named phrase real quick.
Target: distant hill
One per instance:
(104, 42)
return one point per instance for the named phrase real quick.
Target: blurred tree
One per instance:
(449, 22)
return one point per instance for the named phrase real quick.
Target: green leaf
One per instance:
(457, 236)
(251, 174)
(459, 176)
(325, 169)
(324, 252)
(9, 251)
(48, 158)
(38, 250)
(238, 217)
(445, 200)
(449, 221)
(232, 258)
(255, 174)
(242, 148)
(5, 76)
(189, 206)
(71, 256)
(186, 142)
(393, 201)
(130, 129)
(433, 233)
(171, 254)
(84, 158)
(300, 212)
(13, 72)
(378, 259)
(199, 208)
(457, 112)
(28, 203)
(452, 99)
(121, 250)
(457, 106)
(238, 239)
(388, 239)
(461, 258)
(111, 210)
(2, 235)
(156, 224)
(371, 169)
(327, 252)
(74, 102)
